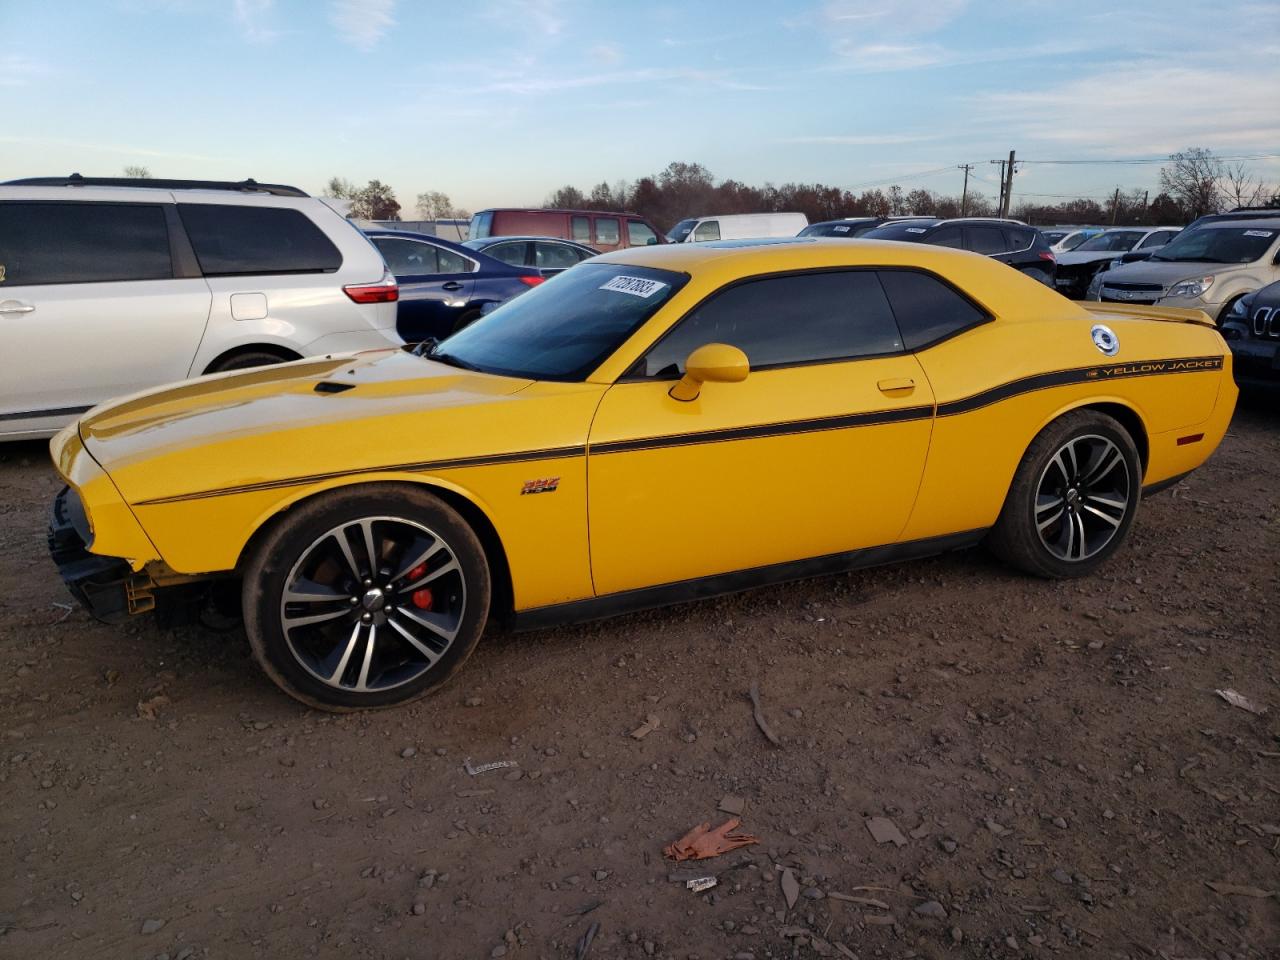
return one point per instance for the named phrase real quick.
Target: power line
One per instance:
(1259, 156)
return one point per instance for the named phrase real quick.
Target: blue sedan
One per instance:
(444, 285)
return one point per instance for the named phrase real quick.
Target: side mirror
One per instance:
(651, 241)
(711, 363)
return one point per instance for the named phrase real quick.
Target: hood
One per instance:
(1074, 257)
(1154, 271)
(213, 428)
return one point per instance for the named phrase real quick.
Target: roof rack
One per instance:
(1021, 223)
(1275, 210)
(241, 186)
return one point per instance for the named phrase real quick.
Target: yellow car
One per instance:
(655, 425)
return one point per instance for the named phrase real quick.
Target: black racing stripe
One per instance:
(55, 412)
(553, 453)
(814, 425)
(1061, 378)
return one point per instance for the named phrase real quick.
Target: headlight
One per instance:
(1190, 288)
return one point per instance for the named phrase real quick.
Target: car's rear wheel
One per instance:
(366, 598)
(245, 360)
(1073, 498)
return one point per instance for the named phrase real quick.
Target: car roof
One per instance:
(502, 239)
(1238, 225)
(594, 213)
(428, 237)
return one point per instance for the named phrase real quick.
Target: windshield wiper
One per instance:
(448, 358)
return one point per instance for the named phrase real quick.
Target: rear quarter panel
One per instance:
(996, 391)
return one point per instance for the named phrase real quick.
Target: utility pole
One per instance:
(1000, 202)
(1008, 190)
(1115, 206)
(964, 193)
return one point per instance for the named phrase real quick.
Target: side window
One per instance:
(640, 234)
(554, 256)
(232, 240)
(984, 240)
(407, 258)
(607, 231)
(451, 262)
(947, 237)
(1016, 239)
(778, 321)
(926, 308)
(511, 253)
(481, 225)
(43, 243)
(707, 230)
(1157, 239)
(582, 229)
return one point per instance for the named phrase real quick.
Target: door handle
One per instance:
(897, 385)
(15, 306)
(452, 285)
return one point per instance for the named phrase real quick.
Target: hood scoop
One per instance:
(332, 386)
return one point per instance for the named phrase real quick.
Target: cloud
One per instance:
(86, 146)
(362, 23)
(253, 18)
(539, 16)
(862, 140)
(892, 17)
(543, 82)
(17, 70)
(1147, 108)
(606, 53)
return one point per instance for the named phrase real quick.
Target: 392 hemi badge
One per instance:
(542, 485)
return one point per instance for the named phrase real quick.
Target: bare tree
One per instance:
(340, 188)
(1192, 178)
(137, 173)
(434, 205)
(1240, 189)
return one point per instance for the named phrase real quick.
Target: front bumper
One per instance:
(106, 587)
(1256, 363)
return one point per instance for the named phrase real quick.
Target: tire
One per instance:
(1080, 482)
(245, 360)
(353, 641)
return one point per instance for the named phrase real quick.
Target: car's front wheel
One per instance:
(1073, 497)
(366, 598)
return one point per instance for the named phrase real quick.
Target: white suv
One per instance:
(110, 286)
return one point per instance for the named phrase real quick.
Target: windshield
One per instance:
(1210, 244)
(1053, 236)
(853, 228)
(681, 230)
(564, 328)
(1112, 241)
(913, 230)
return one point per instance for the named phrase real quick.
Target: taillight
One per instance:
(1046, 255)
(531, 281)
(385, 290)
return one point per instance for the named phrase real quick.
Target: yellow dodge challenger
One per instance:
(654, 425)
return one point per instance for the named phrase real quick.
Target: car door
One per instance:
(436, 286)
(514, 253)
(91, 307)
(817, 452)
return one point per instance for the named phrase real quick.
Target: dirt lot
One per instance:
(1065, 780)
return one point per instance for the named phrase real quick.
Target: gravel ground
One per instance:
(1061, 775)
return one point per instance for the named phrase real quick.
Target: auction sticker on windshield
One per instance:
(636, 286)
(1258, 233)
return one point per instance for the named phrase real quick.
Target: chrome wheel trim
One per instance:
(1082, 498)
(352, 614)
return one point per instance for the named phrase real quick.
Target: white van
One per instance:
(738, 226)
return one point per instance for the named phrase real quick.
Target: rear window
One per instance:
(233, 240)
(481, 225)
(43, 243)
(911, 231)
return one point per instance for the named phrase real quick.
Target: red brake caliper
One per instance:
(422, 598)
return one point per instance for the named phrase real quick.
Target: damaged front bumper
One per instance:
(106, 587)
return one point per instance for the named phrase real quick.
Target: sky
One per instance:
(499, 102)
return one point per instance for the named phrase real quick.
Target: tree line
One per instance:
(1194, 182)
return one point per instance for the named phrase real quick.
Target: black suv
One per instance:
(1252, 331)
(1009, 241)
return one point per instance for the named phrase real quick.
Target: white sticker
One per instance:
(839, 229)
(636, 286)
(1258, 233)
(917, 230)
